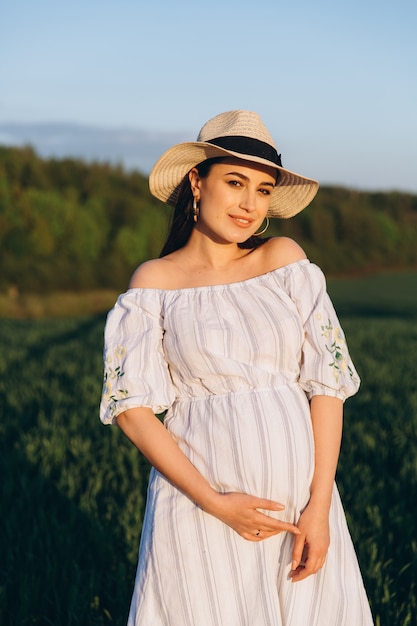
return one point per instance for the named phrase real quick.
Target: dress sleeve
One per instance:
(326, 367)
(135, 371)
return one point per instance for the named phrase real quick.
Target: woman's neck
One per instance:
(202, 253)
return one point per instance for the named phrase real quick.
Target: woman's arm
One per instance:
(237, 510)
(310, 547)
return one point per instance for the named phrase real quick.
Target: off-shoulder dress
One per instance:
(234, 366)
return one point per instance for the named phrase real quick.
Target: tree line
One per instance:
(67, 224)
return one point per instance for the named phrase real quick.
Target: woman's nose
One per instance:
(248, 200)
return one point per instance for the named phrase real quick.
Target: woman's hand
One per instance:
(242, 512)
(311, 545)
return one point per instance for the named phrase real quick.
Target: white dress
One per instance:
(235, 366)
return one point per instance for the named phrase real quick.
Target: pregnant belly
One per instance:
(258, 442)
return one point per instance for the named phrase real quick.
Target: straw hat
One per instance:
(240, 134)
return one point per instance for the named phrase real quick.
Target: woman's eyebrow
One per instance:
(245, 178)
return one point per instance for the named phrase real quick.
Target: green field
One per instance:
(72, 491)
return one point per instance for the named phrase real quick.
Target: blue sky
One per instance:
(335, 82)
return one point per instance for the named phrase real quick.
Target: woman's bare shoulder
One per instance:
(280, 251)
(154, 274)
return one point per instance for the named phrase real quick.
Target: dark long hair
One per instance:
(182, 222)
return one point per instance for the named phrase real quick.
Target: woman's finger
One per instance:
(297, 553)
(268, 505)
(276, 525)
(309, 564)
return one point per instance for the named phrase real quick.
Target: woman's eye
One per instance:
(234, 183)
(265, 192)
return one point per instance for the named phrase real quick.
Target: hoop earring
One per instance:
(196, 210)
(261, 232)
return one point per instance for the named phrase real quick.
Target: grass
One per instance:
(62, 304)
(376, 295)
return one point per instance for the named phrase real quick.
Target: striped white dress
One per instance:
(234, 366)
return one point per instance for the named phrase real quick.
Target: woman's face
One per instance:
(234, 198)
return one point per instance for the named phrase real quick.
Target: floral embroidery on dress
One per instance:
(336, 346)
(112, 375)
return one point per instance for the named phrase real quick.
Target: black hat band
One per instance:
(248, 145)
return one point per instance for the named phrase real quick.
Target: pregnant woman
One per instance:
(234, 338)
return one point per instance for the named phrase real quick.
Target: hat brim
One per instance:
(291, 194)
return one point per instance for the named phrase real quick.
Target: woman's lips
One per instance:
(244, 222)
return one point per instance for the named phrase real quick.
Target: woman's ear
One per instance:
(195, 180)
